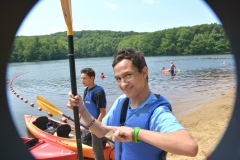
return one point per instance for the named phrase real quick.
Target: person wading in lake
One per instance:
(94, 100)
(102, 75)
(172, 68)
(150, 129)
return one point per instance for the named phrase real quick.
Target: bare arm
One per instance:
(101, 103)
(97, 128)
(178, 142)
(102, 114)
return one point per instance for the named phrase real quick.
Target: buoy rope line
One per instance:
(14, 92)
(64, 120)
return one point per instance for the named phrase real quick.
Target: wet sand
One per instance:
(207, 123)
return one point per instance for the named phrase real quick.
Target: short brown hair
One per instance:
(136, 57)
(89, 71)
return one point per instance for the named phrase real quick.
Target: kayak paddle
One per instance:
(52, 109)
(67, 13)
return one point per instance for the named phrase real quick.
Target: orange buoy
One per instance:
(25, 100)
(50, 114)
(39, 108)
(63, 119)
(31, 104)
(17, 95)
(21, 98)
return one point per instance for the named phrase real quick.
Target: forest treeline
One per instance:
(192, 40)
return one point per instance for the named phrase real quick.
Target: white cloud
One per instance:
(148, 1)
(111, 6)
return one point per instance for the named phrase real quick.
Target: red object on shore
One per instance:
(42, 149)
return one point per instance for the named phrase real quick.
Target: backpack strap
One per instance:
(123, 119)
(157, 95)
(85, 92)
(170, 107)
(124, 112)
(164, 153)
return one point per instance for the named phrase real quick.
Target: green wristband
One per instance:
(136, 130)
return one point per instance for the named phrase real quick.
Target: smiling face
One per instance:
(137, 84)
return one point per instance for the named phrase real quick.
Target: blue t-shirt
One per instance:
(161, 120)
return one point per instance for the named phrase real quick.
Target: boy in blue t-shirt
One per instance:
(150, 128)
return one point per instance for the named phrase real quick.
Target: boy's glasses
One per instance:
(126, 79)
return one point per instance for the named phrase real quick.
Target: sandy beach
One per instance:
(207, 124)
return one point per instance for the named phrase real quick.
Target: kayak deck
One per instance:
(69, 142)
(46, 150)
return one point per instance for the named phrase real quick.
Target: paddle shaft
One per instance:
(85, 127)
(74, 92)
(67, 13)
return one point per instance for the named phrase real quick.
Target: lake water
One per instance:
(200, 79)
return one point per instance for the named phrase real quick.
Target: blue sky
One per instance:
(117, 15)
